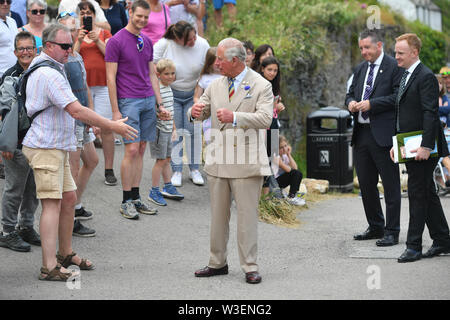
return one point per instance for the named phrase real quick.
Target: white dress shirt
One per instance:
(377, 64)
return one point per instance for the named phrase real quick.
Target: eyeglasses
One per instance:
(140, 43)
(64, 14)
(23, 49)
(5, 1)
(64, 46)
(36, 11)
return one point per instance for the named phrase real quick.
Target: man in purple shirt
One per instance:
(131, 80)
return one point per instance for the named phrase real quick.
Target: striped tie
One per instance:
(401, 90)
(230, 88)
(368, 91)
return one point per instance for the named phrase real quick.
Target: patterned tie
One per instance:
(368, 91)
(401, 90)
(230, 88)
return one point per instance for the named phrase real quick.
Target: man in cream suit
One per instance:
(240, 105)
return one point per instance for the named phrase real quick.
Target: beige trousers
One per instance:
(246, 193)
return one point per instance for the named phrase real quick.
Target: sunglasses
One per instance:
(5, 1)
(64, 46)
(65, 14)
(36, 11)
(140, 43)
(446, 73)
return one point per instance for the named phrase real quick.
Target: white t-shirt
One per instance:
(179, 12)
(7, 35)
(188, 61)
(206, 79)
(72, 5)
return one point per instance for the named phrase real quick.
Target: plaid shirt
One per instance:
(53, 128)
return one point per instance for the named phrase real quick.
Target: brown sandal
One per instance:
(67, 261)
(55, 274)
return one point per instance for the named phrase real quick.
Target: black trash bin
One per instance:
(329, 153)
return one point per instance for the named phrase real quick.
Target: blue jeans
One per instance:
(183, 100)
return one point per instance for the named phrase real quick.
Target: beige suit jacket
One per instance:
(240, 151)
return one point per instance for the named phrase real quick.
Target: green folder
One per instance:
(409, 140)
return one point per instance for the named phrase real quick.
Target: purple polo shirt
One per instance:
(133, 74)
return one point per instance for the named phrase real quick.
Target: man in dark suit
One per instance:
(371, 99)
(417, 109)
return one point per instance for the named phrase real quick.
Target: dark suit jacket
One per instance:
(418, 109)
(382, 98)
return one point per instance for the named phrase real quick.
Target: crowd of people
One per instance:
(144, 71)
(146, 66)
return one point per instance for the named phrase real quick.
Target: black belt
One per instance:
(364, 125)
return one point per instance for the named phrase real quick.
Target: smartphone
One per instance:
(87, 23)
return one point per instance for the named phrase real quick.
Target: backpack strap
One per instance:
(21, 94)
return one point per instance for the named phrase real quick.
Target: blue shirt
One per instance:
(116, 17)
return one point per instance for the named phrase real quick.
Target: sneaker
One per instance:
(117, 141)
(170, 192)
(110, 179)
(81, 231)
(143, 208)
(29, 235)
(82, 214)
(14, 242)
(176, 179)
(156, 197)
(196, 177)
(296, 201)
(128, 210)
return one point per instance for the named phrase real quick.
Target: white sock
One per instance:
(78, 206)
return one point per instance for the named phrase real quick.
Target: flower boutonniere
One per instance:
(246, 85)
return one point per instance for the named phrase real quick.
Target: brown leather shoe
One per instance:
(253, 277)
(209, 272)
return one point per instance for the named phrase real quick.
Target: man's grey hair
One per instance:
(233, 48)
(49, 33)
(40, 3)
(372, 34)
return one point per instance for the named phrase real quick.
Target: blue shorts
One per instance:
(141, 116)
(218, 4)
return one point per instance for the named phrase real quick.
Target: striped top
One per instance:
(167, 100)
(47, 89)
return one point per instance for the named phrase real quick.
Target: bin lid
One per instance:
(329, 112)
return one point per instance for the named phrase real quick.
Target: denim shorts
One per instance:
(218, 4)
(83, 136)
(141, 116)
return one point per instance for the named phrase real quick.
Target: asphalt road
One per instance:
(155, 257)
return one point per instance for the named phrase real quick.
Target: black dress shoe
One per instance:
(253, 277)
(387, 241)
(369, 235)
(435, 251)
(410, 255)
(209, 272)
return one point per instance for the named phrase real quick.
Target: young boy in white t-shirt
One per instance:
(161, 148)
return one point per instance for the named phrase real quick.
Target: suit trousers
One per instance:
(372, 160)
(19, 193)
(425, 206)
(246, 193)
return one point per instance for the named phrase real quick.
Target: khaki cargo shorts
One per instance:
(51, 172)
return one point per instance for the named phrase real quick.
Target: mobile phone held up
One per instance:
(87, 23)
